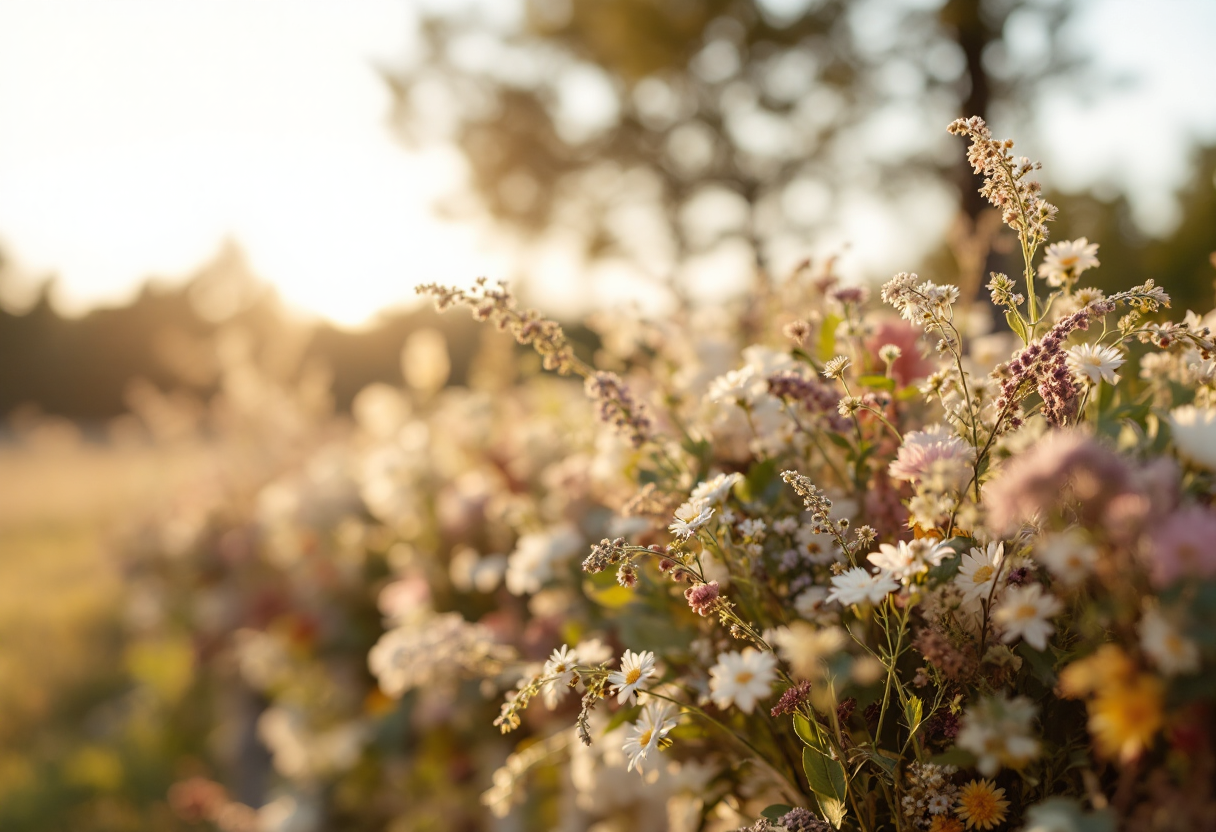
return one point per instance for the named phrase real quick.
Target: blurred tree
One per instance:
(656, 130)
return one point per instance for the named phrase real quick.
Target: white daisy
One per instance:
(1170, 650)
(1066, 260)
(1095, 363)
(742, 678)
(857, 585)
(648, 733)
(561, 668)
(1024, 614)
(819, 547)
(978, 572)
(690, 517)
(997, 730)
(1069, 556)
(714, 491)
(1194, 432)
(635, 669)
(904, 561)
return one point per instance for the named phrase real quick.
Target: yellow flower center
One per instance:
(745, 677)
(982, 574)
(1027, 611)
(644, 739)
(633, 675)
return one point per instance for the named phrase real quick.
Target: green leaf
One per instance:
(954, 757)
(760, 478)
(1040, 662)
(806, 731)
(838, 439)
(885, 760)
(877, 382)
(1015, 323)
(913, 712)
(776, 811)
(833, 810)
(826, 776)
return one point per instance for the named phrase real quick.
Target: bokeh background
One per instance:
(213, 217)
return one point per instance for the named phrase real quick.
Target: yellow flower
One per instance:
(980, 804)
(945, 823)
(1108, 667)
(1125, 718)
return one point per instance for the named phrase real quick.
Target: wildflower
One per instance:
(740, 386)
(945, 823)
(1063, 262)
(921, 449)
(835, 367)
(1124, 719)
(905, 561)
(786, 525)
(1169, 649)
(797, 331)
(980, 804)
(978, 572)
(1003, 291)
(857, 585)
(806, 648)
(997, 730)
(802, 820)
(690, 517)
(810, 601)
(713, 491)
(627, 575)
(702, 598)
(793, 699)
(532, 563)
(560, 672)
(1096, 363)
(919, 303)
(617, 407)
(1182, 546)
(752, 528)
(742, 678)
(889, 353)
(1023, 614)
(1106, 667)
(849, 405)
(635, 669)
(648, 733)
(1194, 432)
(1069, 556)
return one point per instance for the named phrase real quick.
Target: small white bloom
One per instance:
(742, 678)
(904, 561)
(742, 385)
(809, 603)
(635, 669)
(753, 528)
(978, 572)
(1171, 651)
(1066, 260)
(1096, 363)
(819, 547)
(1194, 432)
(786, 525)
(835, 367)
(1069, 556)
(713, 491)
(857, 585)
(561, 668)
(648, 732)
(690, 517)
(1024, 614)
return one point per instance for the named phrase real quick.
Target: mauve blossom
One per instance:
(1182, 546)
(702, 598)
(922, 448)
(910, 365)
(1064, 467)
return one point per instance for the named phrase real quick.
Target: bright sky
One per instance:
(137, 135)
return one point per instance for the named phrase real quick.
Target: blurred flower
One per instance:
(742, 678)
(713, 491)
(1182, 546)
(806, 648)
(1125, 718)
(1024, 612)
(1194, 433)
(532, 563)
(1069, 556)
(1169, 649)
(997, 730)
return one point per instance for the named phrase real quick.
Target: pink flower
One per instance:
(923, 448)
(1182, 546)
(702, 597)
